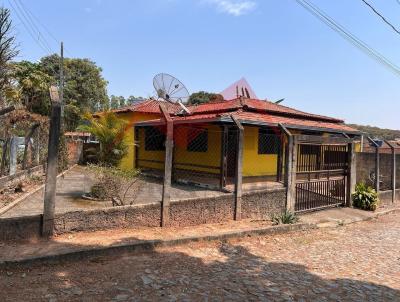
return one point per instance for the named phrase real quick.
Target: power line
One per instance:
(29, 29)
(34, 18)
(381, 16)
(32, 23)
(314, 10)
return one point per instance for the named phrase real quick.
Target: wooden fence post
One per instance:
(291, 198)
(52, 166)
(290, 169)
(13, 155)
(169, 150)
(239, 169)
(4, 156)
(352, 173)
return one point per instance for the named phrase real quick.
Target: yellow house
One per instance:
(205, 139)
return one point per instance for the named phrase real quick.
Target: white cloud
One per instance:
(234, 7)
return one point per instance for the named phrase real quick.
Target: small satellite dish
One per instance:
(170, 89)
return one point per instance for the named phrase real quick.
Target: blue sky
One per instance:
(281, 49)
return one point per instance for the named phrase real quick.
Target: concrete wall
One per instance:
(27, 227)
(255, 205)
(366, 165)
(385, 197)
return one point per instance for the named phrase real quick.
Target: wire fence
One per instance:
(21, 153)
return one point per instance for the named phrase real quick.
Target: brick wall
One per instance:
(75, 149)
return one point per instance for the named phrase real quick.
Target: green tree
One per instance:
(133, 100)
(202, 97)
(110, 132)
(114, 102)
(117, 101)
(122, 101)
(32, 87)
(8, 51)
(85, 89)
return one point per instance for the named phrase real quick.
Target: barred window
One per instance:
(310, 149)
(268, 141)
(154, 139)
(197, 140)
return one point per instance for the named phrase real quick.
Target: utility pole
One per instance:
(52, 157)
(61, 89)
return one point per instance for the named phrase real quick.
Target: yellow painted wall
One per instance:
(210, 158)
(158, 156)
(255, 164)
(128, 162)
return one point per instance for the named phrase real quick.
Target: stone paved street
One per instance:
(357, 262)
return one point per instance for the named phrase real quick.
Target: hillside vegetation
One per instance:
(377, 132)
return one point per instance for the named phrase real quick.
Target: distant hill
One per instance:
(376, 132)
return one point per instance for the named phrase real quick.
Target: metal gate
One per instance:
(321, 176)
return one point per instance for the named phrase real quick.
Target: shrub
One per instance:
(365, 197)
(109, 130)
(115, 184)
(286, 217)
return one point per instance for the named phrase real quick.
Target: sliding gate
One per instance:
(321, 176)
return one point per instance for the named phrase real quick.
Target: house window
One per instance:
(197, 140)
(154, 139)
(310, 149)
(268, 141)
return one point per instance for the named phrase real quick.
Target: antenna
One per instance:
(170, 89)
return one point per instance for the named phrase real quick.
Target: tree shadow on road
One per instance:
(199, 272)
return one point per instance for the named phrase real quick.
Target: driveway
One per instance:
(357, 262)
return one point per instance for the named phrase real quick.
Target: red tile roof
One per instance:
(256, 105)
(262, 118)
(247, 110)
(148, 106)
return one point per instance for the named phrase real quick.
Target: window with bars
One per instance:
(197, 140)
(268, 141)
(154, 139)
(310, 149)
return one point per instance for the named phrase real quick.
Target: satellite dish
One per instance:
(170, 89)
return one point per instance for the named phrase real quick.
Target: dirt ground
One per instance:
(20, 188)
(357, 262)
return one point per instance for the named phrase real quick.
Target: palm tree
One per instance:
(110, 132)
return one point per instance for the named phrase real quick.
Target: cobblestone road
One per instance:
(358, 262)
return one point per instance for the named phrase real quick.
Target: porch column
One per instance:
(223, 161)
(239, 169)
(290, 169)
(169, 144)
(352, 173)
(393, 171)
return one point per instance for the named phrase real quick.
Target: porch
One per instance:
(206, 155)
(317, 168)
